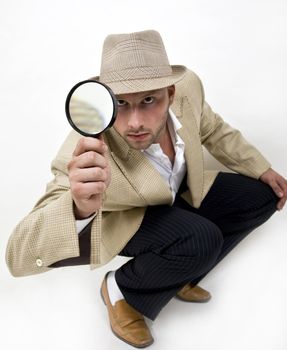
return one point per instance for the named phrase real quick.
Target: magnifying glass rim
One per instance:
(67, 109)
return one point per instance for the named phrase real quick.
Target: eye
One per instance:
(148, 100)
(121, 103)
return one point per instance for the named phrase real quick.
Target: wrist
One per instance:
(80, 214)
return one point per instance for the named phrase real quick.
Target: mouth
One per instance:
(138, 136)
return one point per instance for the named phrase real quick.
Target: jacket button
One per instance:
(39, 262)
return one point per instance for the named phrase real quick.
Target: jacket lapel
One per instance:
(193, 151)
(138, 171)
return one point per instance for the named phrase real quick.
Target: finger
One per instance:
(93, 174)
(277, 189)
(88, 159)
(283, 185)
(85, 190)
(283, 197)
(86, 144)
(281, 203)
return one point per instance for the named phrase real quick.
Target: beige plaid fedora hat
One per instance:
(137, 62)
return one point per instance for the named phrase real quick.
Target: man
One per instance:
(142, 191)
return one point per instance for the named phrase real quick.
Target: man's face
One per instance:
(142, 116)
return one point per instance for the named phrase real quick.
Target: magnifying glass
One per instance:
(91, 108)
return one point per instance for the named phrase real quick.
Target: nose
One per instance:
(135, 121)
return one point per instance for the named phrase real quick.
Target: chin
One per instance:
(139, 145)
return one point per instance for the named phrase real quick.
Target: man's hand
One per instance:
(89, 175)
(278, 184)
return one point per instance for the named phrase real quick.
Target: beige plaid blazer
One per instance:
(48, 234)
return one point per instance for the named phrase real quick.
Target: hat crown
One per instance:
(139, 55)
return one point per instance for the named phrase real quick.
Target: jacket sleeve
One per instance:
(228, 145)
(48, 233)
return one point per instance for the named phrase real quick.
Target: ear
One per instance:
(171, 93)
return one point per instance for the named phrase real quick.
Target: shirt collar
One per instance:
(176, 124)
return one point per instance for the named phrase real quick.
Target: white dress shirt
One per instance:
(172, 174)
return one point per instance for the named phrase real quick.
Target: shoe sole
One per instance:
(118, 336)
(193, 301)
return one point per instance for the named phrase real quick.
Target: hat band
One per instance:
(136, 73)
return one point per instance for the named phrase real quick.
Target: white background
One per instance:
(239, 49)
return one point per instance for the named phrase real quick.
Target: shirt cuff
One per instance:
(81, 224)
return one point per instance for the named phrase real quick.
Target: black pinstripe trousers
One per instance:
(180, 244)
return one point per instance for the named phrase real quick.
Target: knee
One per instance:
(203, 244)
(210, 244)
(262, 196)
(205, 247)
(270, 199)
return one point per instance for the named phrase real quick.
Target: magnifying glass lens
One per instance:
(91, 107)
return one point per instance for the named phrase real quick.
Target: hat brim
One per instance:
(130, 86)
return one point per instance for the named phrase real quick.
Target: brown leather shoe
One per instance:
(126, 322)
(193, 293)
